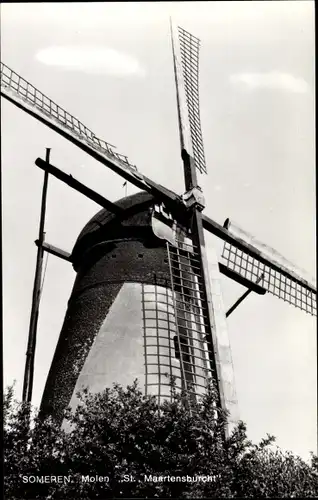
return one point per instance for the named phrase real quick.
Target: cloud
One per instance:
(91, 59)
(273, 81)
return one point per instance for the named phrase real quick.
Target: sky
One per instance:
(110, 65)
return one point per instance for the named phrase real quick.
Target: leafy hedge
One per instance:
(142, 450)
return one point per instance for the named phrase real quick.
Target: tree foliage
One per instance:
(124, 436)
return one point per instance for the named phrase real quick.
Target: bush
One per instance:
(125, 438)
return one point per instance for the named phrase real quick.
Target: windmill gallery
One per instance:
(147, 252)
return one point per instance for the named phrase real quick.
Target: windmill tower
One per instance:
(142, 279)
(144, 303)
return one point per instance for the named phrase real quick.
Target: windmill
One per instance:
(195, 319)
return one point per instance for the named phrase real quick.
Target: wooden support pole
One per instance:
(30, 354)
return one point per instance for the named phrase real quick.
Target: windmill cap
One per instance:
(106, 226)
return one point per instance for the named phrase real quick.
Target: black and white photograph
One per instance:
(159, 250)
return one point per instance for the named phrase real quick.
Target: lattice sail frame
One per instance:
(193, 334)
(197, 348)
(159, 330)
(13, 82)
(176, 333)
(186, 65)
(276, 282)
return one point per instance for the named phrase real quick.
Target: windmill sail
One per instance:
(280, 277)
(200, 331)
(186, 65)
(207, 281)
(25, 96)
(191, 340)
(22, 92)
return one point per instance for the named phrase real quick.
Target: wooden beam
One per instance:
(62, 254)
(78, 186)
(243, 297)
